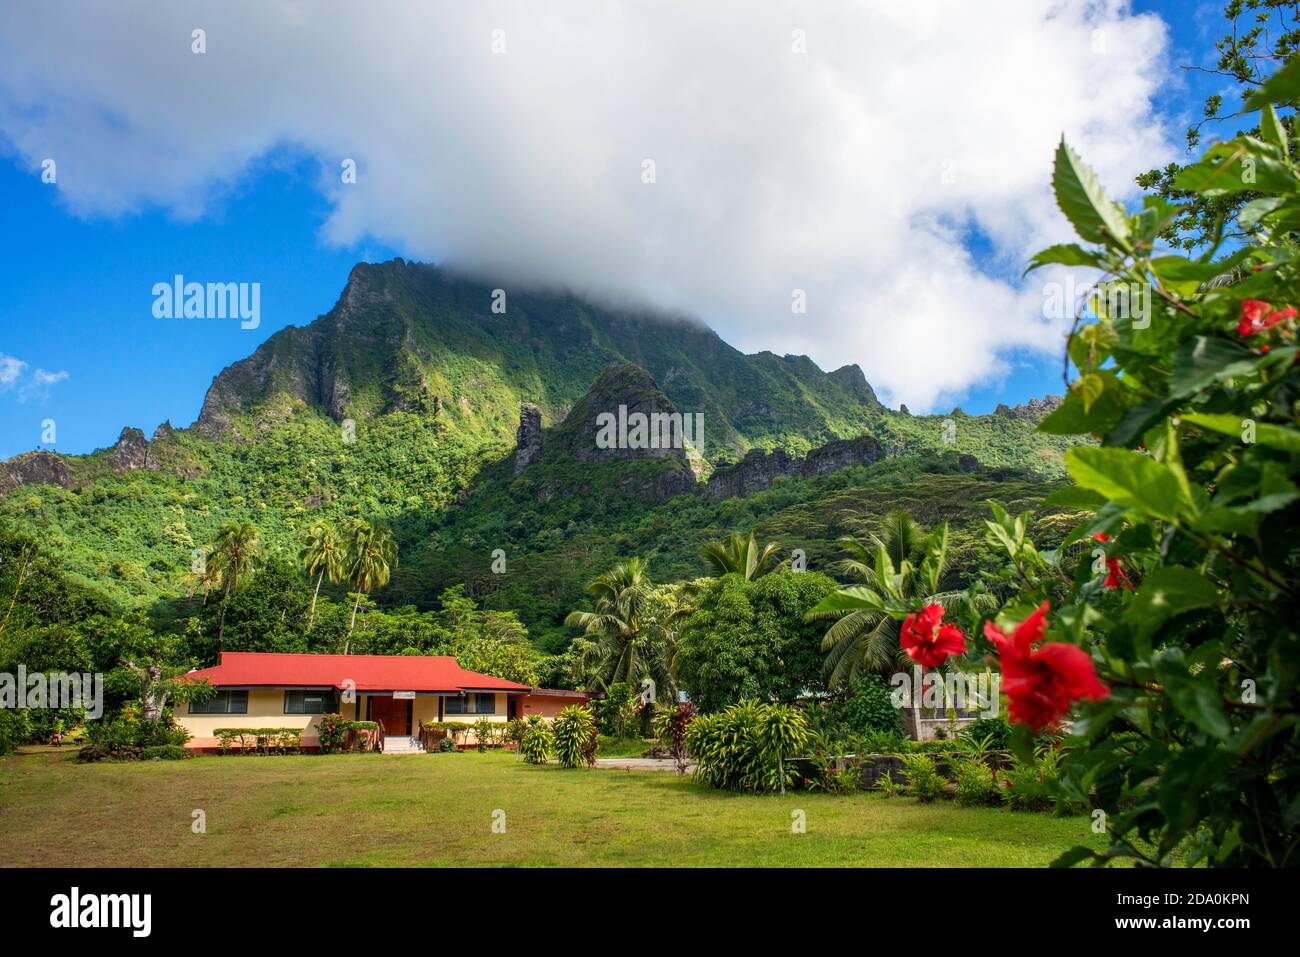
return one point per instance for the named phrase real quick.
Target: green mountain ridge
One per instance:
(403, 405)
(408, 337)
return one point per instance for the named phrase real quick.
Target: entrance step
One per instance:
(401, 744)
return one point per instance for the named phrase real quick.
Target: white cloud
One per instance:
(13, 375)
(854, 171)
(11, 370)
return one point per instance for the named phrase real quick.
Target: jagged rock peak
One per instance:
(624, 415)
(131, 450)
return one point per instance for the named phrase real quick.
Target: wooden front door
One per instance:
(395, 713)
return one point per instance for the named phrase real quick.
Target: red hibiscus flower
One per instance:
(1042, 683)
(928, 641)
(1115, 576)
(1258, 315)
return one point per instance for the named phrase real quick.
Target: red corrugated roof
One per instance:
(366, 672)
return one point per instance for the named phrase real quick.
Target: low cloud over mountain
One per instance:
(889, 160)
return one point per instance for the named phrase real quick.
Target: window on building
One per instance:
(310, 702)
(473, 703)
(223, 702)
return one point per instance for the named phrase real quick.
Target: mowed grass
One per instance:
(375, 810)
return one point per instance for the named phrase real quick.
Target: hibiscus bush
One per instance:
(1165, 625)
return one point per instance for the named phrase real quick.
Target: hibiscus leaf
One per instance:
(1075, 855)
(1195, 696)
(1081, 198)
(1267, 434)
(1281, 87)
(1189, 773)
(1168, 591)
(1271, 129)
(1238, 166)
(1065, 254)
(1202, 360)
(1131, 480)
(1074, 497)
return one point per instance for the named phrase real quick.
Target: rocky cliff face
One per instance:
(1035, 410)
(528, 438)
(311, 363)
(759, 469)
(34, 468)
(131, 451)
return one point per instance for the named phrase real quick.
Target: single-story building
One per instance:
(258, 690)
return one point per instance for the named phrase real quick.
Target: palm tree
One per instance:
(207, 579)
(234, 556)
(322, 554)
(901, 563)
(629, 629)
(740, 555)
(371, 558)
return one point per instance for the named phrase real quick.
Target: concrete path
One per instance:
(640, 764)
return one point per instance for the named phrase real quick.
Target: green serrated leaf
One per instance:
(1271, 129)
(1282, 87)
(1205, 359)
(1082, 199)
(1131, 480)
(1065, 254)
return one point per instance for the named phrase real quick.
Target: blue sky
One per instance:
(77, 298)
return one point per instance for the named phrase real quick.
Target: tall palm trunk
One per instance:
(311, 619)
(22, 573)
(353, 624)
(221, 625)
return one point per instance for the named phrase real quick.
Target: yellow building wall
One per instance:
(265, 710)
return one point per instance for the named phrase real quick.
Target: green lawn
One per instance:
(355, 810)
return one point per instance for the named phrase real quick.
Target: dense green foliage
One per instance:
(538, 744)
(576, 737)
(748, 639)
(1189, 603)
(742, 748)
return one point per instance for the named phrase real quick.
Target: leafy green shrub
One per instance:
(514, 732)
(14, 728)
(485, 734)
(976, 784)
(999, 729)
(868, 709)
(164, 752)
(743, 748)
(126, 733)
(262, 740)
(1035, 785)
(538, 744)
(832, 776)
(923, 782)
(617, 711)
(576, 737)
(886, 742)
(331, 729)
